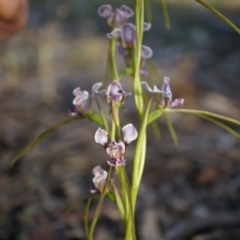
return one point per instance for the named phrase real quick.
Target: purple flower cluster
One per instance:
(113, 149)
(125, 34)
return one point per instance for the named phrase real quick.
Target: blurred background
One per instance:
(188, 192)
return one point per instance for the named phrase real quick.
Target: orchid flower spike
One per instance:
(99, 179)
(166, 93)
(114, 93)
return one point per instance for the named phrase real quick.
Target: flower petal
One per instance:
(119, 17)
(176, 103)
(146, 52)
(81, 98)
(146, 86)
(95, 87)
(116, 33)
(127, 11)
(115, 91)
(146, 26)
(77, 91)
(116, 162)
(99, 179)
(116, 150)
(105, 10)
(129, 133)
(101, 137)
(128, 34)
(166, 88)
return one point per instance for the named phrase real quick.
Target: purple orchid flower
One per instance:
(166, 93)
(114, 93)
(117, 17)
(80, 101)
(99, 179)
(113, 149)
(116, 152)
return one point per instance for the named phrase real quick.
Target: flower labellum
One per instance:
(116, 151)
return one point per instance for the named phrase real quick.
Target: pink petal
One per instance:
(116, 34)
(95, 87)
(79, 99)
(127, 10)
(129, 133)
(128, 34)
(77, 91)
(146, 86)
(146, 52)
(146, 26)
(105, 10)
(101, 137)
(176, 103)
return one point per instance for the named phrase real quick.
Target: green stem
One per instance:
(86, 212)
(139, 19)
(139, 158)
(166, 15)
(99, 206)
(113, 65)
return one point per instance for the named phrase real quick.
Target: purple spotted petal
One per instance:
(101, 137)
(146, 52)
(146, 86)
(176, 103)
(116, 34)
(105, 10)
(146, 26)
(129, 133)
(128, 34)
(116, 162)
(127, 10)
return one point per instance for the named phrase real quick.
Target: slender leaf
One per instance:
(41, 137)
(219, 15)
(165, 14)
(154, 115)
(171, 130)
(211, 117)
(86, 213)
(75, 204)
